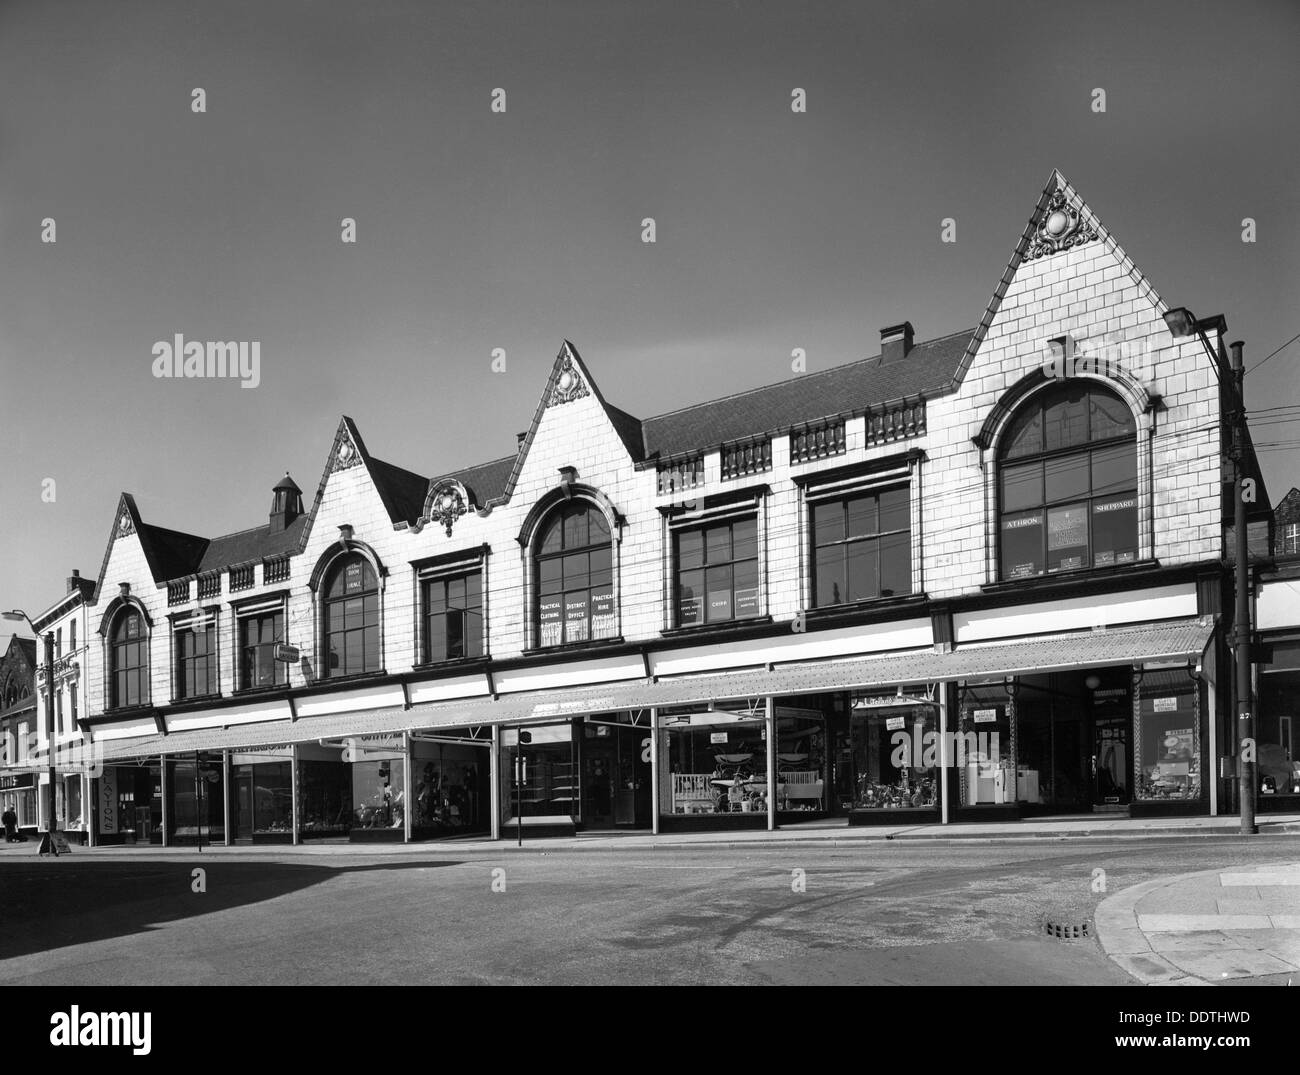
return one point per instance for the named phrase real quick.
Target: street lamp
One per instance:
(1182, 322)
(48, 846)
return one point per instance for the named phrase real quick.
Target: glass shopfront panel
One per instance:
(1277, 761)
(717, 764)
(895, 757)
(982, 750)
(548, 786)
(379, 791)
(802, 776)
(197, 808)
(74, 819)
(451, 788)
(261, 796)
(1168, 737)
(324, 797)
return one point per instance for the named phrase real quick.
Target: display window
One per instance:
(379, 791)
(324, 797)
(983, 749)
(717, 764)
(1168, 758)
(450, 793)
(1278, 721)
(73, 817)
(547, 784)
(801, 774)
(895, 757)
(197, 809)
(261, 795)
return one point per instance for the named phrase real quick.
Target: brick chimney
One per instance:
(76, 582)
(895, 342)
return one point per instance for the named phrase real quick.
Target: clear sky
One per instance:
(478, 230)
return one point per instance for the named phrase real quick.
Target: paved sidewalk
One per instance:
(1208, 927)
(817, 834)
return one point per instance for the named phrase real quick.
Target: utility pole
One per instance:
(1241, 618)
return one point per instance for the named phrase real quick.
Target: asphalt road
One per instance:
(967, 913)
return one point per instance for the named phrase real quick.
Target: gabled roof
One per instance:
(249, 546)
(26, 648)
(1056, 181)
(402, 491)
(484, 481)
(927, 369)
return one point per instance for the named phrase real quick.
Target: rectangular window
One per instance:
(196, 658)
(717, 572)
(58, 712)
(862, 547)
(258, 635)
(72, 699)
(1291, 539)
(72, 636)
(453, 617)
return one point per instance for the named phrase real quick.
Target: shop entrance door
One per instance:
(598, 772)
(241, 802)
(1110, 760)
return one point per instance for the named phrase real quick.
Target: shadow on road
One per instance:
(48, 905)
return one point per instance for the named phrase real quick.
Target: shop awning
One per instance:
(1178, 640)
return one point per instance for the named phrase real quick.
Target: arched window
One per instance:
(352, 618)
(10, 692)
(575, 577)
(128, 660)
(1067, 483)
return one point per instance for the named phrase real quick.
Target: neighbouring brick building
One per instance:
(974, 576)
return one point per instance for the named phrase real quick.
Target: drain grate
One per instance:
(1068, 931)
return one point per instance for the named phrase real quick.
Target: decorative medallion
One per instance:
(1060, 229)
(569, 385)
(447, 503)
(124, 525)
(346, 455)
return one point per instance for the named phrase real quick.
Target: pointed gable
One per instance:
(570, 381)
(1061, 221)
(169, 554)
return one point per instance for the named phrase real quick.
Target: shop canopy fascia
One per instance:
(1168, 642)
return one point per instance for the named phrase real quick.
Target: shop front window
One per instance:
(72, 817)
(379, 791)
(197, 807)
(717, 765)
(548, 783)
(982, 752)
(451, 788)
(1168, 758)
(801, 783)
(896, 757)
(324, 798)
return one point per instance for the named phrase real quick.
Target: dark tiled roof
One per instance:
(630, 431)
(927, 369)
(402, 491)
(249, 546)
(484, 481)
(28, 646)
(171, 554)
